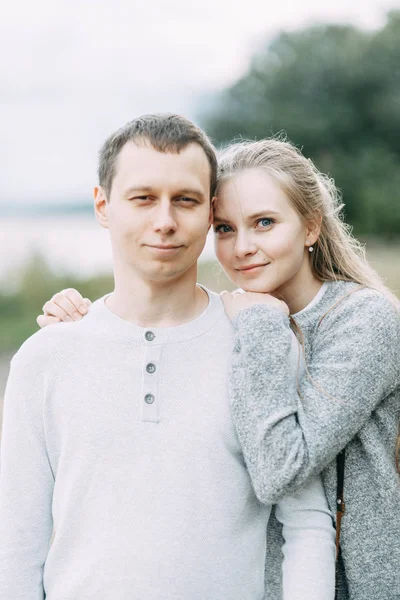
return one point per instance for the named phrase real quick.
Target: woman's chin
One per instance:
(258, 287)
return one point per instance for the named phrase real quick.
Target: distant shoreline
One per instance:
(22, 209)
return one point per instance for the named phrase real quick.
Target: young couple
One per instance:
(154, 435)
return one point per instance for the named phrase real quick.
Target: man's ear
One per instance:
(211, 215)
(313, 229)
(100, 206)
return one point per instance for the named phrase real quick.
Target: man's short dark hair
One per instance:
(165, 133)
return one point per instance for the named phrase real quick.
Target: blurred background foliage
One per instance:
(20, 307)
(335, 91)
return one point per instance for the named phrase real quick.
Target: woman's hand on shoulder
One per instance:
(238, 300)
(68, 305)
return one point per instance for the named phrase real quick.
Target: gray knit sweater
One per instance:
(350, 398)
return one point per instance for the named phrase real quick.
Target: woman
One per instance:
(279, 235)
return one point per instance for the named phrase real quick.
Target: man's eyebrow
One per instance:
(138, 188)
(180, 192)
(190, 192)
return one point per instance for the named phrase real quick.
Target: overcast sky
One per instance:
(72, 71)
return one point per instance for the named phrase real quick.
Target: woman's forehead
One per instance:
(248, 192)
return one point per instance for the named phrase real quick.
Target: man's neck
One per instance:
(155, 304)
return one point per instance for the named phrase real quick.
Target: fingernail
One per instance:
(83, 308)
(77, 316)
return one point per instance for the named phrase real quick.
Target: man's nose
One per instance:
(165, 221)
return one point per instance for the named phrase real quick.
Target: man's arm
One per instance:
(26, 483)
(308, 569)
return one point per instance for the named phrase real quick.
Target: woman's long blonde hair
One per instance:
(337, 254)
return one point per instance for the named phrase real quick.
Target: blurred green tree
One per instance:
(19, 308)
(335, 91)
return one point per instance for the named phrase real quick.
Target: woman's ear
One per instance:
(313, 230)
(100, 206)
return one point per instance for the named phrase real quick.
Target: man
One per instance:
(117, 431)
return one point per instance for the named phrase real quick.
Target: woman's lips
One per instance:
(251, 268)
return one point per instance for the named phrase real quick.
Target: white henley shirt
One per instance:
(120, 438)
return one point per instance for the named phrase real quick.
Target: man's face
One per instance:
(159, 210)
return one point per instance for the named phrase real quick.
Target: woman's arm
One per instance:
(354, 365)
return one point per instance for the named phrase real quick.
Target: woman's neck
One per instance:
(299, 291)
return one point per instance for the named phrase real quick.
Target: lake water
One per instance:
(73, 243)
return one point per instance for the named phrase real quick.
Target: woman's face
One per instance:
(261, 241)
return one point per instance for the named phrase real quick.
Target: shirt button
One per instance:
(149, 398)
(150, 368)
(149, 335)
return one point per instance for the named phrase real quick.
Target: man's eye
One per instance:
(222, 228)
(188, 200)
(140, 198)
(265, 222)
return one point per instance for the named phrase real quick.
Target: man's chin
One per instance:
(164, 271)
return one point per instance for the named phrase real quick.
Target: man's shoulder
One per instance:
(216, 307)
(42, 345)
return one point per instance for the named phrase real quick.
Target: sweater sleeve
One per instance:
(26, 484)
(354, 364)
(308, 569)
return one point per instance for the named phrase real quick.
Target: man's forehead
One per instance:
(146, 166)
(143, 150)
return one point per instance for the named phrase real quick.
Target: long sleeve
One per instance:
(353, 365)
(308, 569)
(26, 484)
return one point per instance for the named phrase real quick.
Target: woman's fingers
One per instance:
(76, 299)
(67, 305)
(44, 320)
(238, 300)
(63, 310)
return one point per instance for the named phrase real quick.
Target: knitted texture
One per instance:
(350, 398)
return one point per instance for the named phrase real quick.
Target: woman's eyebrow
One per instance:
(262, 213)
(249, 218)
(220, 219)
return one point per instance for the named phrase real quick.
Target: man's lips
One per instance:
(250, 267)
(166, 250)
(164, 246)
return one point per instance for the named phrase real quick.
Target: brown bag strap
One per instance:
(340, 507)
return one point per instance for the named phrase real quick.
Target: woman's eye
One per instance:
(222, 228)
(265, 222)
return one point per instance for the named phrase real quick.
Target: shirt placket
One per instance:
(150, 396)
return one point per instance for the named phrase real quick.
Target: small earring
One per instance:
(311, 249)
